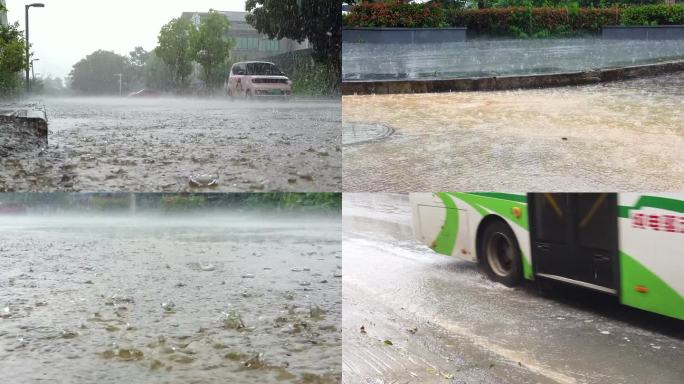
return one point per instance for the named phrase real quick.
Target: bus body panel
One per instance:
(442, 225)
(650, 236)
(465, 212)
(651, 231)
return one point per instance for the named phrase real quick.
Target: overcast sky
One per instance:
(65, 31)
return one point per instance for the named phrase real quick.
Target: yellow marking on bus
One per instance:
(592, 211)
(554, 204)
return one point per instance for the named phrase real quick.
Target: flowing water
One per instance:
(491, 57)
(617, 136)
(195, 299)
(414, 316)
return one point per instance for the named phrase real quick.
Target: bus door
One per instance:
(574, 238)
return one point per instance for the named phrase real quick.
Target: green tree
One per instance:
(176, 50)
(96, 73)
(158, 75)
(138, 58)
(319, 21)
(12, 59)
(212, 47)
(53, 86)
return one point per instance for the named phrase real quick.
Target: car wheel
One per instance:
(499, 254)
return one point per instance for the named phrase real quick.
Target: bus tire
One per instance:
(499, 254)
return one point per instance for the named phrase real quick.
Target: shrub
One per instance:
(182, 202)
(569, 3)
(106, 203)
(310, 77)
(520, 21)
(656, 14)
(539, 22)
(323, 201)
(316, 79)
(396, 15)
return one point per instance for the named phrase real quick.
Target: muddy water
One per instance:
(208, 299)
(617, 136)
(161, 145)
(491, 57)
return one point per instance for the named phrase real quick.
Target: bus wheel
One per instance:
(500, 254)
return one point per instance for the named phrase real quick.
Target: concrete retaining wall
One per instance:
(509, 82)
(22, 130)
(656, 32)
(27, 118)
(403, 35)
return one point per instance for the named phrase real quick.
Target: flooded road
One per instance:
(414, 316)
(500, 57)
(616, 136)
(196, 299)
(162, 145)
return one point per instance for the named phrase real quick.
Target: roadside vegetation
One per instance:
(183, 50)
(318, 22)
(271, 201)
(517, 18)
(192, 59)
(197, 59)
(315, 79)
(12, 59)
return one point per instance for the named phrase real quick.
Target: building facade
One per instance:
(3, 14)
(249, 43)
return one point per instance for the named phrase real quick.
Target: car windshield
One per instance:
(264, 69)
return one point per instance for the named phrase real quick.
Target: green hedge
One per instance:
(657, 14)
(514, 21)
(106, 203)
(524, 22)
(396, 15)
(309, 76)
(285, 201)
(182, 202)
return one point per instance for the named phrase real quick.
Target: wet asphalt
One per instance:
(163, 144)
(413, 316)
(207, 298)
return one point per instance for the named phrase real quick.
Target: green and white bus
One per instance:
(628, 245)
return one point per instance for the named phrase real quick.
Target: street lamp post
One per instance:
(28, 46)
(33, 72)
(120, 82)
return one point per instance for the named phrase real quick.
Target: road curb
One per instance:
(500, 83)
(22, 129)
(27, 118)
